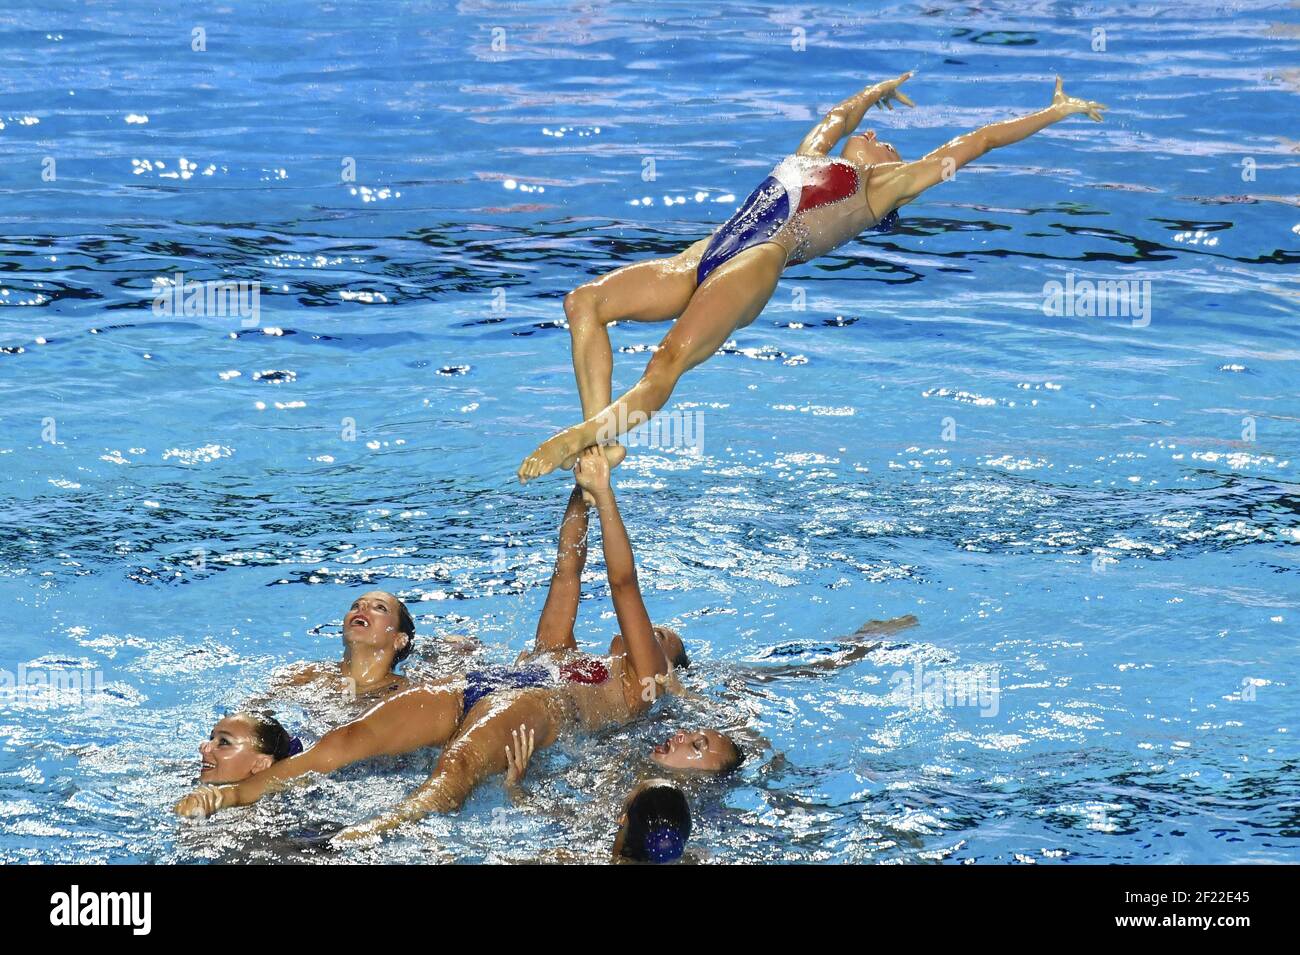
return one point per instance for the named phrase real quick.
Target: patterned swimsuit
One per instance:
(796, 185)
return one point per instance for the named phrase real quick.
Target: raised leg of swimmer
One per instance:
(654, 291)
(559, 613)
(731, 298)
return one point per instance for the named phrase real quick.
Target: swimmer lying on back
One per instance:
(244, 744)
(557, 689)
(378, 635)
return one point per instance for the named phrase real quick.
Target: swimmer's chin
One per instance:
(216, 776)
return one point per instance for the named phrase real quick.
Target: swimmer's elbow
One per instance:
(623, 582)
(981, 142)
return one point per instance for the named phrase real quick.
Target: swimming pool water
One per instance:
(1099, 515)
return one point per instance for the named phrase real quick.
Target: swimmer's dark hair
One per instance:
(658, 825)
(733, 764)
(406, 624)
(271, 738)
(681, 661)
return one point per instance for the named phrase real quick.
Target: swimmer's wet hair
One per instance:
(658, 825)
(406, 624)
(681, 661)
(737, 761)
(270, 737)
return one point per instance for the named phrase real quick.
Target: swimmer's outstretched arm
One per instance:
(419, 717)
(902, 183)
(555, 625)
(645, 657)
(844, 118)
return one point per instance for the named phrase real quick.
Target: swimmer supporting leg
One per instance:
(413, 719)
(730, 298)
(555, 625)
(645, 658)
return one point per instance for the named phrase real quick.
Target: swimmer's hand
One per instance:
(203, 802)
(517, 757)
(889, 92)
(1069, 105)
(591, 471)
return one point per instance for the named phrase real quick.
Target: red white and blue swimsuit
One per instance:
(494, 679)
(796, 185)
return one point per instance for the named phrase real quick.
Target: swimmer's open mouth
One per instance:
(662, 749)
(205, 766)
(359, 622)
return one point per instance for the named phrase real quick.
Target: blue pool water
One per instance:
(1100, 515)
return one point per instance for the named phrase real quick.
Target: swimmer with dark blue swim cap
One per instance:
(810, 204)
(655, 825)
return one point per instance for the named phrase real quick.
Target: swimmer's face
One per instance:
(373, 620)
(696, 751)
(668, 639)
(864, 149)
(230, 754)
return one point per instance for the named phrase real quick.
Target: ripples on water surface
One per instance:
(1097, 534)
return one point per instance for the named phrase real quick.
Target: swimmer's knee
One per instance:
(580, 307)
(453, 762)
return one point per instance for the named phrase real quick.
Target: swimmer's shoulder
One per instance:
(884, 188)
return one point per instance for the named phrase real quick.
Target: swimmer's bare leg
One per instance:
(654, 291)
(731, 298)
(861, 648)
(415, 718)
(555, 625)
(892, 625)
(479, 752)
